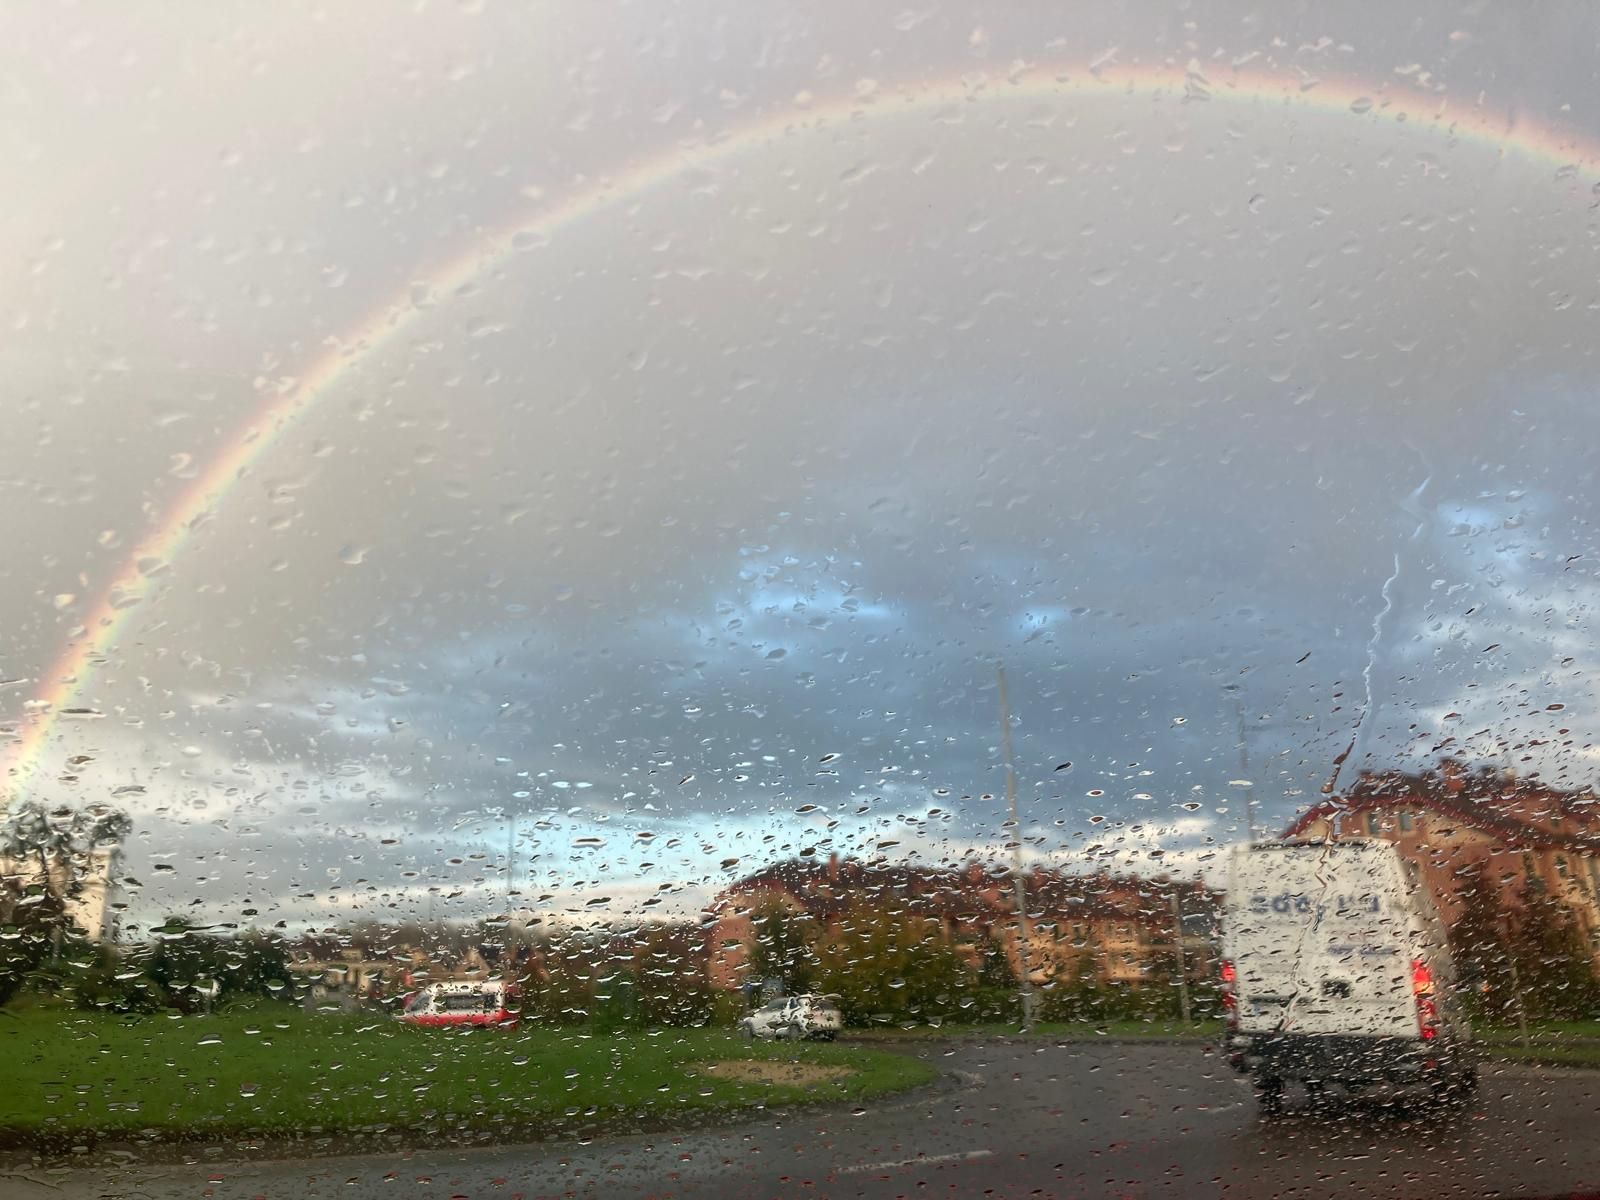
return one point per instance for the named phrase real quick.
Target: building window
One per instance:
(1530, 874)
(1405, 821)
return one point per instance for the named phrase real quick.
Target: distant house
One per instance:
(1111, 929)
(97, 903)
(346, 971)
(1520, 837)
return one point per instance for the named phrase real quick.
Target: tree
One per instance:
(189, 965)
(781, 947)
(1477, 945)
(27, 916)
(255, 964)
(888, 966)
(669, 969)
(559, 988)
(112, 980)
(183, 964)
(1553, 962)
(994, 995)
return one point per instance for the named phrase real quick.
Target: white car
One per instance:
(794, 1018)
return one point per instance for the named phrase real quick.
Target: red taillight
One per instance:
(1422, 992)
(1230, 1000)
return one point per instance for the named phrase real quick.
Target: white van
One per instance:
(1336, 971)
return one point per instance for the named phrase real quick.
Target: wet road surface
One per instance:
(1008, 1119)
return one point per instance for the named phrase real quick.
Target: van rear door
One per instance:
(1322, 940)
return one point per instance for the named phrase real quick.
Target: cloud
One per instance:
(709, 516)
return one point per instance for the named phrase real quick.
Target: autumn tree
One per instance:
(782, 947)
(886, 965)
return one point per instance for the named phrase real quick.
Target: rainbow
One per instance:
(1424, 114)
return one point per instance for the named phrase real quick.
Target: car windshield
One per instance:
(713, 599)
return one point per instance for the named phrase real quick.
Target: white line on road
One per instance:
(922, 1160)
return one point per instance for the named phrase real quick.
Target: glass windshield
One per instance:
(709, 517)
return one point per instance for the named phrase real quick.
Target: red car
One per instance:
(451, 1004)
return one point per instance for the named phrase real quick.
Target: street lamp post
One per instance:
(1183, 967)
(1244, 765)
(1024, 982)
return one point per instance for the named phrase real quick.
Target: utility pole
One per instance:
(1244, 772)
(1183, 967)
(1024, 983)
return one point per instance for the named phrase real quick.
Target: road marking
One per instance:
(922, 1160)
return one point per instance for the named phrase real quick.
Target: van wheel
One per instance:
(1269, 1097)
(1459, 1090)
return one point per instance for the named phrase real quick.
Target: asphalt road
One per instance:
(1010, 1119)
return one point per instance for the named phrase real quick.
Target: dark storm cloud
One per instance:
(774, 462)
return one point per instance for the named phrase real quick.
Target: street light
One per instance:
(1183, 966)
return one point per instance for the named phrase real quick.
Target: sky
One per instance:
(718, 397)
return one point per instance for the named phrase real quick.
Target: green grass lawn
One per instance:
(276, 1070)
(1549, 1032)
(1562, 1043)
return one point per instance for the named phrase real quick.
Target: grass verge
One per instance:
(1549, 1055)
(275, 1072)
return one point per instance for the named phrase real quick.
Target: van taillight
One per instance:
(1230, 1000)
(1422, 991)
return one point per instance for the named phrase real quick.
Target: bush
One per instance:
(28, 919)
(186, 965)
(562, 994)
(680, 1001)
(116, 983)
(885, 967)
(726, 1009)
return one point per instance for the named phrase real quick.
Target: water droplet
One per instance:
(353, 556)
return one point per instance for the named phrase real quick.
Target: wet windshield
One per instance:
(979, 599)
